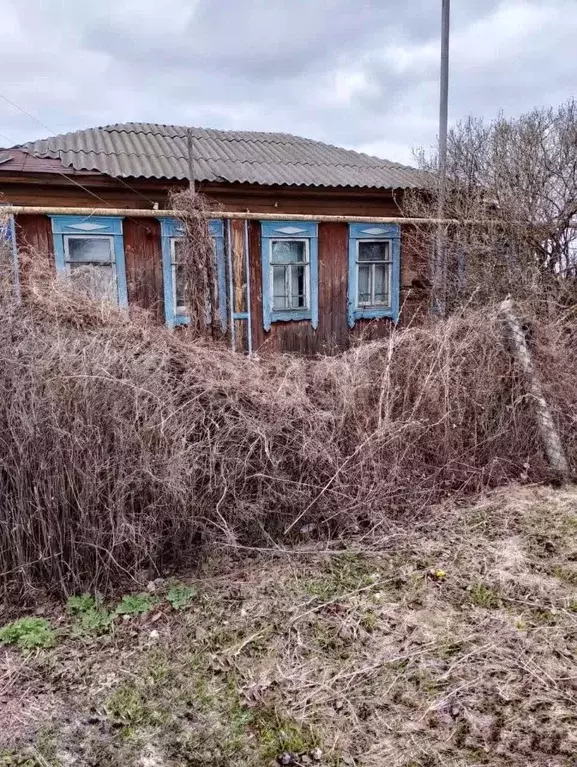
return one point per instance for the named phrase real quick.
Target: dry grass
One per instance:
(443, 644)
(126, 449)
(197, 263)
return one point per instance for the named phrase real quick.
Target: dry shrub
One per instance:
(125, 447)
(197, 262)
(511, 191)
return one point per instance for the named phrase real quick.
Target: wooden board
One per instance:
(142, 251)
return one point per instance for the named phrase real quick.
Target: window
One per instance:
(374, 272)
(90, 250)
(178, 277)
(289, 272)
(374, 268)
(175, 303)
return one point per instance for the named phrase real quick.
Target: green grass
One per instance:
(278, 734)
(29, 634)
(341, 575)
(180, 596)
(135, 604)
(89, 616)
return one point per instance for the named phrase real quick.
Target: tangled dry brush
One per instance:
(126, 447)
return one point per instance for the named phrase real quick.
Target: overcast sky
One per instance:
(357, 73)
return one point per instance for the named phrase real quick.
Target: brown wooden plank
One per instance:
(142, 250)
(241, 335)
(255, 277)
(239, 276)
(49, 189)
(332, 332)
(34, 233)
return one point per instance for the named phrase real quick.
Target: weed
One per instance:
(566, 574)
(450, 650)
(135, 604)
(278, 735)
(341, 575)
(544, 617)
(180, 595)
(127, 705)
(483, 596)
(21, 759)
(29, 634)
(80, 603)
(91, 617)
(369, 621)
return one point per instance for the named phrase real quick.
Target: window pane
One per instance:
(288, 251)
(180, 289)
(373, 251)
(89, 249)
(298, 289)
(364, 285)
(382, 281)
(98, 281)
(177, 249)
(280, 299)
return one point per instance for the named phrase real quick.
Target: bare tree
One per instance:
(511, 201)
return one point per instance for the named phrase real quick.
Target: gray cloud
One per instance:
(362, 74)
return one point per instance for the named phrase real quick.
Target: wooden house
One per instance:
(302, 264)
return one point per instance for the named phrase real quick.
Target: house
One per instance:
(303, 266)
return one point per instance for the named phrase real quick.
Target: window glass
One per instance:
(89, 249)
(288, 251)
(91, 264)
(177, 250)
(179, 288)
(280, 288)
(374, 251)
(364, 284)
(298, 297)
(381, 279)
(373, 273)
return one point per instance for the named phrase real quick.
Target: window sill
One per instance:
(291, 316)
(372, 313)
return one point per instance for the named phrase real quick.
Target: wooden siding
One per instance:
(332, 333)
(142, 246)
(142, 252)
(35, 243)
(88, 191)
(34, 234)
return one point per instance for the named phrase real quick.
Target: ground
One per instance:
(445, 641)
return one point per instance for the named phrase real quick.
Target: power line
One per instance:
(43, 125)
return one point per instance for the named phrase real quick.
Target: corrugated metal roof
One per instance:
(147, 150)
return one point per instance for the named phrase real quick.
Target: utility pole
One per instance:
(190, 160)
(440, 276)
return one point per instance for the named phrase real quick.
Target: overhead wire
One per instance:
(65, 176)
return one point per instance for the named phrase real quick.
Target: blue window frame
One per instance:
(175, 308)
(289, 252)
(374, 271)
(90, 249)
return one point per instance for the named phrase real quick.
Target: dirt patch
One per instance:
(451, 643)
